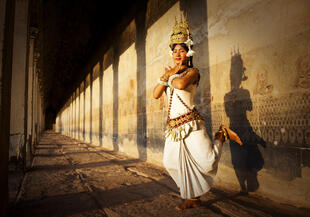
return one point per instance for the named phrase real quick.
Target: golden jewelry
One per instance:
(164, 78)
(194, 199)
(180, 32)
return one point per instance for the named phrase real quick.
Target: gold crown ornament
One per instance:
(181, 34)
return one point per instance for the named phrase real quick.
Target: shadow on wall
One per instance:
(247, 160)
(84, 108)
(100, 101)
(141, 82)
(115, 97)
(91, 108)
(60, 123)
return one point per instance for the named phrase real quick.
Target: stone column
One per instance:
(31, 62)
(2, 19)
(34, 101)
(18, 89)
(7, 10)
(73, 115)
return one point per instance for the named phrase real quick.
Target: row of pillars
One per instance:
(21, 114)
(83, 115)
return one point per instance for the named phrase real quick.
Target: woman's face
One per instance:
(179, 55)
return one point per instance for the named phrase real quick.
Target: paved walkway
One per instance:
(70, 178)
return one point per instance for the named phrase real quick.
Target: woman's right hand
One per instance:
(171, 71)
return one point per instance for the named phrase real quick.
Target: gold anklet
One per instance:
(194, 199)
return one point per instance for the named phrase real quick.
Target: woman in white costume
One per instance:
(190, 157)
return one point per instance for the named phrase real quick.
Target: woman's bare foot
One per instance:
(189, 204)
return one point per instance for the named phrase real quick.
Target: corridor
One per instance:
(82, 133)
(70, 178)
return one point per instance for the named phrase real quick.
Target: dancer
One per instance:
(189, 155)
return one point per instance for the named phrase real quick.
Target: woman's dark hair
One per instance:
(190, 62)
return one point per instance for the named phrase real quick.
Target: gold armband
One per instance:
(164, 78)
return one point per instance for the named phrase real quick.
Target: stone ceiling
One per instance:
(70, 31)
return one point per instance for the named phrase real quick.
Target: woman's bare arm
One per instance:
(158, 90)
(189, 78)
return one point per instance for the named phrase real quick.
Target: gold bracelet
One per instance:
(164, 78)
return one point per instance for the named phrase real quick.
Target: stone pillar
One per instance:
(69, 117)
(39, 113)
(29, 103)
(95, 99)
(7, 10)
(91, 108)
(18, 89)
(34, 101)
(141, 82)
(82, 111)
(87, 112)
(78, 113)
(73, 115)
(36, 106)
(29, 140)
(2, 19)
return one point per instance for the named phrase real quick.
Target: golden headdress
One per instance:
(181, 34)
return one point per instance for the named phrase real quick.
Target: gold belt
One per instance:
(178, 121)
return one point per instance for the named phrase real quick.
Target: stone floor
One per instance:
(70, 178)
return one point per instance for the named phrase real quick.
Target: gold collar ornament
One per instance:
(181, 34)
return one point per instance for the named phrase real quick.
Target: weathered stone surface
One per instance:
(258, 90)
(19, 61)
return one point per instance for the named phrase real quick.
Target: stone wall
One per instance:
(17, 128)
(253, 58)
(6, 33)
(26, 115)
(260, 87)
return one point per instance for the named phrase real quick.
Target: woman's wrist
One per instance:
(171, 79)
(165, 83)
(164, 78)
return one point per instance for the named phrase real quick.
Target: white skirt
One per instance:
(192, 162)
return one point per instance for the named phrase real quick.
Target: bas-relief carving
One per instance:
(282, 122)
(303, 72)
(287, 117)
(262, 87)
